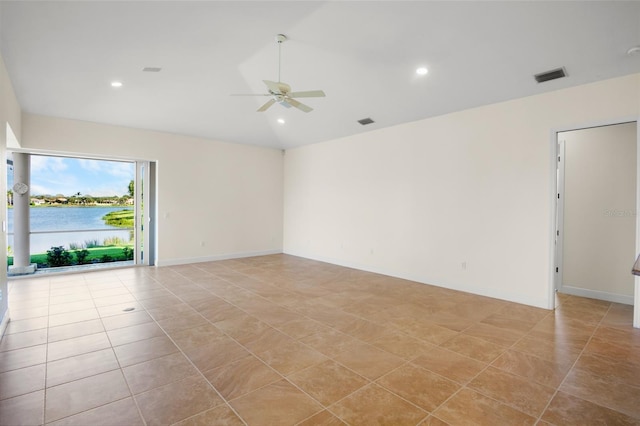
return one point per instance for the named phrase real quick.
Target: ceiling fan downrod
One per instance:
(280, 38)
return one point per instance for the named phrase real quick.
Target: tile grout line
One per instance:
(92, 375)
(190, 361)
(355, 315)
(284, 377)
(405, 363)
(488, 365)
(131, 395)
(574, 364)
(46, 361)
(512, 347)
(370, 381)
(180, 351)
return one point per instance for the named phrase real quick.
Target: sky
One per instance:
(68, 176)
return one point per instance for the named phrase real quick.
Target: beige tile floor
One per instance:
(280, 340)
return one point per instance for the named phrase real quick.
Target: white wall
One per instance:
(420, 199)
(227, 196)
(9, 115)
(599, 229)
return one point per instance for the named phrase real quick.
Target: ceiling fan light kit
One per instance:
(281, 92)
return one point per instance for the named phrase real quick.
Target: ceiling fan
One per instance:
(281, 92)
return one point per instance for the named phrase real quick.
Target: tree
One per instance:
(131, 188)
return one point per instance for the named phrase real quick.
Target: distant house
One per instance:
(37, 201)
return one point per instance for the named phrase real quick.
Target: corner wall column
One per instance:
(21, 227)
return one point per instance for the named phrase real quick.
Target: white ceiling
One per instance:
(62, 56)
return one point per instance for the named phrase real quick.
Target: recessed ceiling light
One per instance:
(422, 71)
(281, 120)
(116, 84)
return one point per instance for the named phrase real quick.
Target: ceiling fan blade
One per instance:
(267, 105)
(299, 105)
(251, 94)
(307, 94)
(277, 87)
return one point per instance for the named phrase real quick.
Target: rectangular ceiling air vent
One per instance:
(550, 75)
(151, 69)
(366, 121)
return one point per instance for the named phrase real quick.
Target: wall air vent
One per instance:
(366, 121)
(550, 75)
(151, 69)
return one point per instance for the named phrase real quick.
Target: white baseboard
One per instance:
(595, 294)
(184, 261)
(500, 294)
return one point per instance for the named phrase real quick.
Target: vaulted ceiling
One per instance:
(63, 55)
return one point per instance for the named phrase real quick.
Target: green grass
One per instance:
(94, 253)
(120, 218)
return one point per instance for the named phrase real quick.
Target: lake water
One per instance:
(67, 218)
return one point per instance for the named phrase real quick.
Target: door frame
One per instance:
(145, 207)
(559, 235)
(555, 252)
(148, 197)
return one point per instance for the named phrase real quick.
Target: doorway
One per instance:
(596, 215)
(82, 212)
